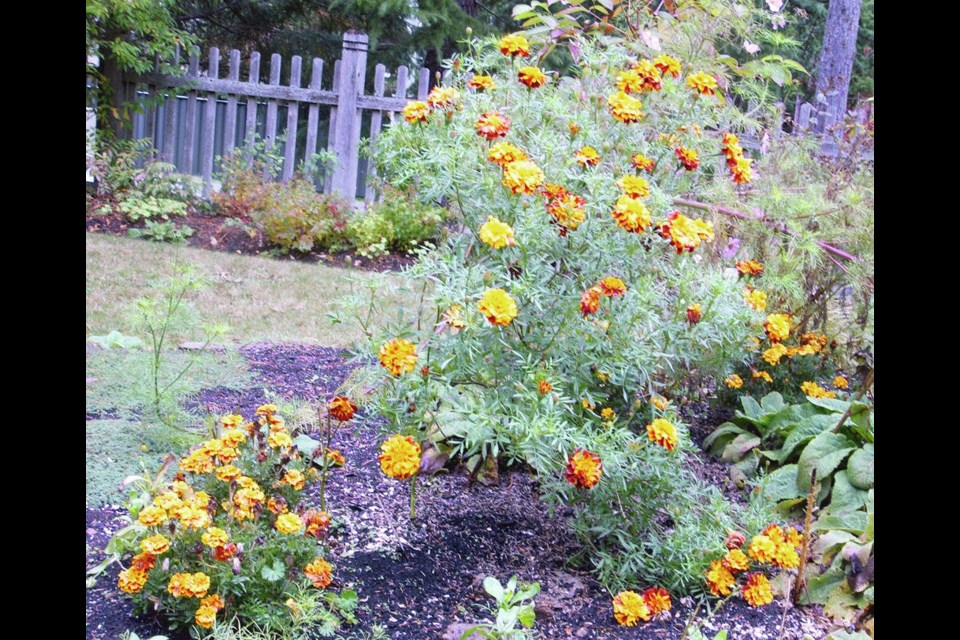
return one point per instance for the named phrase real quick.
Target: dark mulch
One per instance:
(417, 579)
(240, 235)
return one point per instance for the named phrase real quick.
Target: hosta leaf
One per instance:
(820, 587)
(824, 453)
(860, 467)
(804, 432)
(772, 402)
(781, 484)
(854, 522)
(845, 496)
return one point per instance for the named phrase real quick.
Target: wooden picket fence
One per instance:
(195, 118)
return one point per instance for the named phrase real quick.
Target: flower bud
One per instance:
(236, 566)
(166, 564)
(469, 31)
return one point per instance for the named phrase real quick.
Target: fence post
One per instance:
(346, 143)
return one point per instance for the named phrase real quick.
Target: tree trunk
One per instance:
(836, 61)
(114, 99)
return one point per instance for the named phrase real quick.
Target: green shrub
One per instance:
(294, 217)
(397, 223)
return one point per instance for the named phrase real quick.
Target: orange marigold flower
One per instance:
(198, 461)
(235, 437)
(785, 556)
(205, 616)
(492, 125)
(544, 387)
(294, 478)
(131, 580)
(733, 381)
(341, 408)
(498, 307)
(143, 561)
(522, 177)
(587, 157)
(193, 517)
(503, 153)
(612, 286)
(734, 540)
(514, 45)
(634, 186)
(631, 214)
(231, 421)
(532, 77)
(625, 107)
(741, 171)
(840, 382)
(762, 548)
(168, 500)
(280, 440)
(583, 469)
(719, 579)
(186, 585)
(774, 353)
(814, 390)
(453, 317)
(481, 83)
(590, 300)
(400, 457)
(777, 326)
(642, 163)
(762, 375)
(703, 83)
(755, 298)
(317, 522)
(266, 410)
(657, 599)
(685, 233)
(629, 82)
(736, 560)
(227, 472)
(416, 111)
(649, 75)
(213, 600)
(573, 127)
(749, 268)
(689, 158)
(663, 433)
(398, 356)
(335, 457)
(551, 191)
(496, 233)
(567, 210)
(757, 591)
(667, 65)
(225, 552)
(277, 505)
(156, 544)
(319, 572)
(793, 537)
(442, 97)
(152, 516)
(214, 537)
(288, 523)
(775, 532)
(694, 313)
(629, 608)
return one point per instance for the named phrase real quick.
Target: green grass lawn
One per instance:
(262, 299)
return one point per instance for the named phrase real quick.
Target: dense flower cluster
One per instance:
(685, 233)
(583, 469)
(814, 390)
(774, 546)
(733, 381)
(398, 356)
(739, 166)
(492, 125)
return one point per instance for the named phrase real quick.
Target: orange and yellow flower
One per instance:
(777, 326)
(214, 537)
(685, 233)
(629, 81)
(612, 286)
(496, 233)
(733, 381)
(155, 544)
(289, 523)
(481, 83)
(294, 478)
(205, 616)
(774, 353)
(453, 317)
(503, 153)
(814, 390)
(749, 267)
(625, 107)
(719, 579)
(703, 83)
(762, 375)
(755, 298)
(514, 45)
(649, 75)
(398, 356)
(608, 414)
(583, 469)
(131, 580)
(629, 608)
(335, 457)
(689, 158)
(762, 548)
(634, 186)
(642, 163)
(532, 77)
(631, 214)
(544, 387)
(319, 572)
(187, 585)
(443, 97)
(492, 125)
(590, 300)
(840, 382)
(757, 591)
(660, 403)
(341, 408)
(399, 457)
(736, 560)
(587, 156)
(662, 432)
(498, 307)
(667, 65)
(522, 177)
(568, 211)
(694, 313)
(657, 599)
(317, 522)
(152, 516)
(416, 111)
(279, 440)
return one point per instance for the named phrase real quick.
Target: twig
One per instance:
(807, 522)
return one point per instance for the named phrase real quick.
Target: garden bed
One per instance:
(417, 579)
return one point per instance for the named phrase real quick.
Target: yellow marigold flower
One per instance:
(642, 163)
(498, 307)
(442, 97)
(762, 548)
(227, 472)
(733, 381)
(657, 599)
(213, 600)
(503, 153)
(661, 403)
(694, 313)
(280, 440)
(731, 148)
(583, 469)
(514, 45)
(231, 421)
(774, 353)
(544, 387)
(200, 500)
(625, 107)
(453, 317)
(817, 341)
(496, 233)
(481, 83)
(197, 584)
(131, 580)
(741, 171)
(522, 177)
(335, 457)
(629, 82)
(587, 156)
(689, 158)
(277, 505)
(289, 523)
(685, 233)
(649, 75)
(785, 556)
(612, 286)
(777, 327)
(416, 111)
(840, 382)
(568, 211)
(198, 462)
(492, 125)
(634, 186)
(152, 516)
(667, 65)
(590, 300)
(736, 560)
(608, 414)
(294, 478)
(399, 457)
(631, 214)
(719, 579)
(757, 591)
(266, 410)
(248, 497)
(214, 537)
(814, 390)
(749, 267)
(587, 405)
(319, 572)
(703, 83)
(168, 500)
(531, 76)
(205, 616)
(398, 356)
(342, 409)
(629, 608)
(234, 438)
(663, 433)
(755, 298)
(762, 375)
(193, 517)
(793, 537)
(155, 544)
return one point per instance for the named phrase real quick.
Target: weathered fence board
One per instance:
(293, 108)
(209, 125)
(375, 121)
(191, 116)
(271, 133)
(230, 116)
(313, 114)
(251, 129)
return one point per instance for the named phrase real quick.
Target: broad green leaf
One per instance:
(751, 409)
(726, 429)
(772, 402)
(854, 522)
(492, 586)
(527, 616)
(790, 416)
(305, 444)
(824, 453)
(804, 432)
(860, 467)
(740, 446)
(830, 403)
(781, 484)
(842, 605)
(845, 496)
(820, 587)
(273, 573)
(868, 594)
(830, 541)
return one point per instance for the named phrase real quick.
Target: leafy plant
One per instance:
(130, 635)
(162, 231)
(150, 207)
(511, 608)
(116, 340)
(396, 223)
